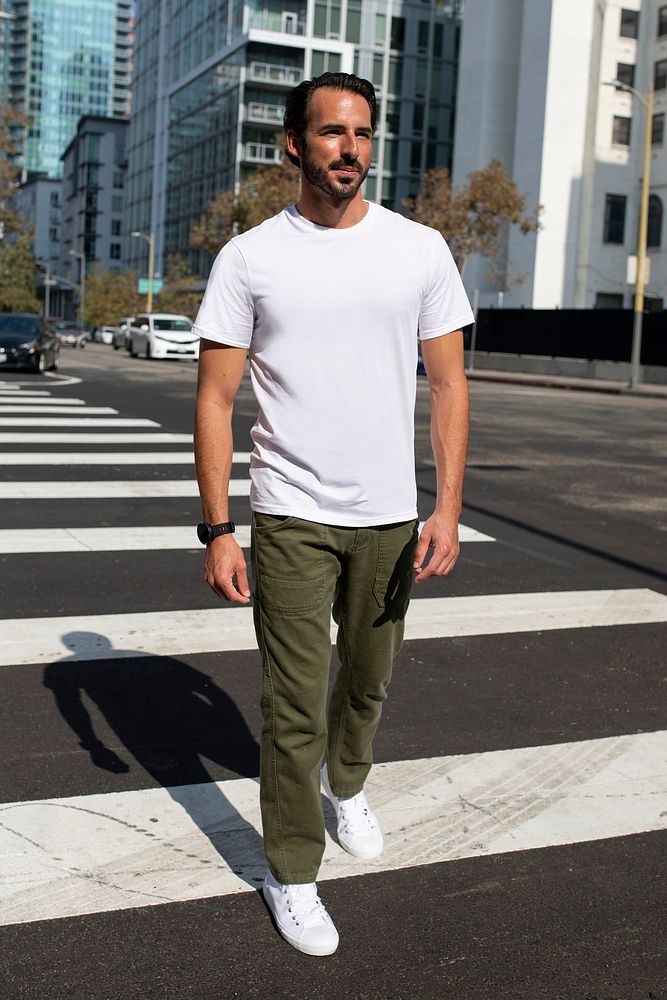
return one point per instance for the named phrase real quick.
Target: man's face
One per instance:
(336, 150)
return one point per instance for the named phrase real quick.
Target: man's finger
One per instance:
(242, 580)
(421, 549)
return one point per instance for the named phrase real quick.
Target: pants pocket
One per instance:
(288, 564)
(394, 573)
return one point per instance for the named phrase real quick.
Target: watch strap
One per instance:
(207, 532)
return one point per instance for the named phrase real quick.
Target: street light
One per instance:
(640, 278)
(82, 298)
(150, 239)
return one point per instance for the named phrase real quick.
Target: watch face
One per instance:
(204, 532)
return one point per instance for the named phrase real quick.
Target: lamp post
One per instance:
(150, 239)
(640, 278)
(82, 297)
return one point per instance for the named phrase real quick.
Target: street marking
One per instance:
(109, 458)
(83, 854)
(28, 395)
(158, 437)
(46, 399)
(149, 538)
(113, 489)
(224, 629)
(78, 421)
(61, 411)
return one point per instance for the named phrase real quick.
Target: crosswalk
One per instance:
(99, 851)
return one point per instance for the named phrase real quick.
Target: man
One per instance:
(329, 297)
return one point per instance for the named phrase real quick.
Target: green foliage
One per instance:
(109, 296)
(12, 122)
(18, 277)
(264, 193)
(182, 291)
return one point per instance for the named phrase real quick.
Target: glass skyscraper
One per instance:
(67, 58)
(209, 88)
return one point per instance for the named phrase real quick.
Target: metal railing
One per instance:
(258, 112)
(273, 73)
(262, 152)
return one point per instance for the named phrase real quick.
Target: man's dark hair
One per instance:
(297, 104)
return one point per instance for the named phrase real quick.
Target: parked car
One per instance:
(105, 334)
(70, 334)
(27, 341)
(163, 335)
(121, 333)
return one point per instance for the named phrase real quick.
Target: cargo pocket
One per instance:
(394, 573)
(288, 564)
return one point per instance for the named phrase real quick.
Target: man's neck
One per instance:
(323, 212)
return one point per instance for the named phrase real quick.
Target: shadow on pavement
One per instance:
(169, 717)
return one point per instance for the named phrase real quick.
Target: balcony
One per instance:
(269, 114)
(262, 152)
(285, 22)
(284, 76)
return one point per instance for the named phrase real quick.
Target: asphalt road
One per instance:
(522, 759)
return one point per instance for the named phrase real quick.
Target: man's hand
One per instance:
(440, 534)
(225, 570)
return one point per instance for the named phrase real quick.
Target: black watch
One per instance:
(207, 532)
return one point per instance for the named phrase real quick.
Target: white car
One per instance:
(105, 334)
(163, 335)
(121, 334)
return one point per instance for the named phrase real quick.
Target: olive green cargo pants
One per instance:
(302, 571)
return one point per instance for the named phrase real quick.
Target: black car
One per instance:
(26, 341)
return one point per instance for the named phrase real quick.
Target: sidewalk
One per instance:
(647, 390)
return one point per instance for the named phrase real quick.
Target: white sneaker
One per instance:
(359, 832)
(300, 916)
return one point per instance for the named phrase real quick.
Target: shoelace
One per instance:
(304, 904)
(356, 814)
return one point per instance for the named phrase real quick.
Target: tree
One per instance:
(474, 219)
(18, 276)
(109, 296)
(12, 122)
(182, 292)
(265, 192)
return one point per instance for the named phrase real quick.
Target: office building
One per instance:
(66, 58)
(209, 88)
(533, 90)
(93, 182)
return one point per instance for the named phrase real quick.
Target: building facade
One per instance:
(93, 182)
(65, 59)
(210, 83)
(533, 91)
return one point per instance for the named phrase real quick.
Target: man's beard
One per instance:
(321, 177)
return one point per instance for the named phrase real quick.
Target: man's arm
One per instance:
(443, 360)
(220, 373)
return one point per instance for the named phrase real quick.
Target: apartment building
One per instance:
(534, 89)
(209, 89)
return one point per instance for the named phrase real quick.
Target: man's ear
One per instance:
(292, 143)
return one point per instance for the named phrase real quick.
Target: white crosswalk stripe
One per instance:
(27, 438)
(110, 458)
(63, 411)
(91, 853)
(112, 489)
(172, 633)
(151, 537)
(78, 421)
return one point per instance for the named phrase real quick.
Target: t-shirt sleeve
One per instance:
(226, 314)
(445, 306)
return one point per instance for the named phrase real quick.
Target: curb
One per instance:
(579, 385)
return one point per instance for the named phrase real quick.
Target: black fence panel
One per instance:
(591, 334)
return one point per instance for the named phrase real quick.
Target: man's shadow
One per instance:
(168, 716)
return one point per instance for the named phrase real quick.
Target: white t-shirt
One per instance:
(331, 318)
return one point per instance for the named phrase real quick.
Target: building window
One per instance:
(115, 227)
(658, 129)
(114, 251)
(422, 36)
(625, 73)
(629, 23)
(614, 218)
(662, 21)
(55, 200)
(392, 116)
(353, 30)
(660, 75)
(609, 300)
(397, 33)
(118, 179)
(116, 204)
(620, 135)
(654, 234)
